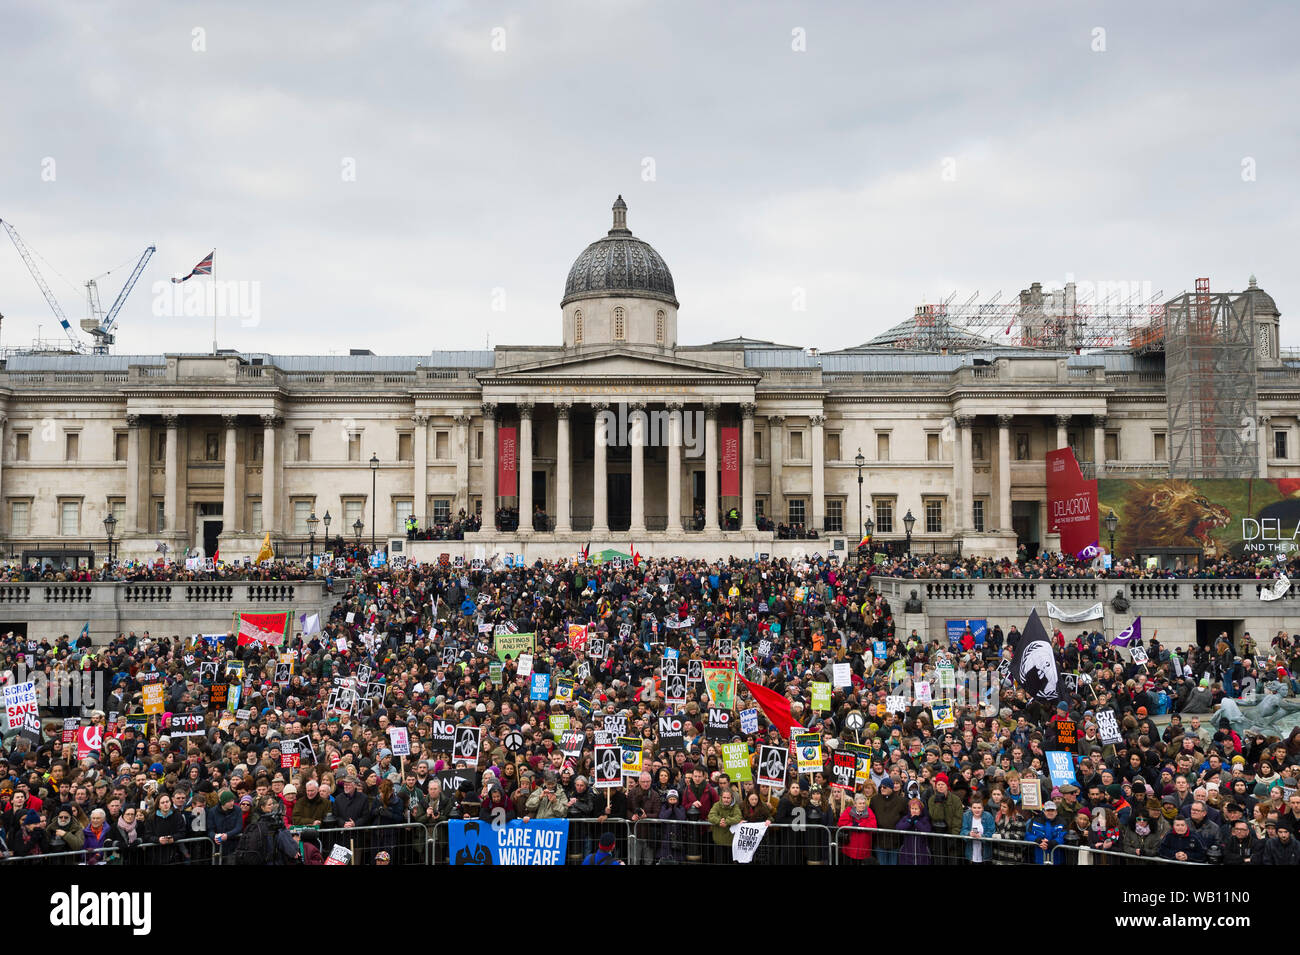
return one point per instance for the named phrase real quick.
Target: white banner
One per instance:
(745, 837)
(1056, 613)
(1277, 589)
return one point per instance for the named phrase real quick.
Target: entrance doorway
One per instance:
(1208, 631)
(1024, 521)
(619, 501)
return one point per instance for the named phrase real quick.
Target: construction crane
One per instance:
(40, 282)
(99, 325)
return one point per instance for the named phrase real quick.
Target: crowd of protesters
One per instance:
(1180, 785)
(1054, 566)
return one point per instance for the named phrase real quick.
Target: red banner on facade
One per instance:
(507, 462)
(1071, 505)
(729, 438)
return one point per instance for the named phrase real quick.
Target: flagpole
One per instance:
(213, 278)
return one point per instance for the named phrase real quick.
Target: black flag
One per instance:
(1034, 666)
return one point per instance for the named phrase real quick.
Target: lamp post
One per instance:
(374, 475)
(312, 521)
(110, 524)
(326, 519)
(357, 528)
(1112, 524)
(859, 461)
(908, 523)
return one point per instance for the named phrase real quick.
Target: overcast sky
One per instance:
(906, 153)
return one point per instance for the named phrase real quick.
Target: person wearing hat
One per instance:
(889, 806)
(946, 810)
(1047, 834)
(604, 854)
(226, 819)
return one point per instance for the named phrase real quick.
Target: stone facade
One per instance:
(619, 431)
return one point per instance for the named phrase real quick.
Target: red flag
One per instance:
(775, 706)
(636, 558)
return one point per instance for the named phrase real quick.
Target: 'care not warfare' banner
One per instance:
(536, 842)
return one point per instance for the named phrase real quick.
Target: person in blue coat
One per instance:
(1047, 835)
(978, 826)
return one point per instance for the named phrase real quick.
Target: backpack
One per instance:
(254, 845)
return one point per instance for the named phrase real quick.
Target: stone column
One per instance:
(270, 473)
(489, 465)
(674, 467)
(524, 461)
(637, 428)
(1062, 436)
(460, 502)
(775, 429)
(133, 433)
(1004, 473)
(818, 473)
(748, 522)
(711, 467)
(599, 481)
(1261, 436)
(563, 462)
(963, 471)
(420, 484)
(1098, 445)
(171, 475)
(230, 479)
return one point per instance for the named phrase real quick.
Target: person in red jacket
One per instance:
(857, 849)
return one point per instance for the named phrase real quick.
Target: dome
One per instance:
(1263, 302)
(619, 264)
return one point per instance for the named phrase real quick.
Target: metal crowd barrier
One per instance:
(691, 842)
(584, 838)
(106, 855)
(905, 847)
(406, 843)
(196, 850)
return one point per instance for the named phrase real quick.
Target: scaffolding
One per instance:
(1208, 339)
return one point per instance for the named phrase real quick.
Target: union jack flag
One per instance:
(203, 268)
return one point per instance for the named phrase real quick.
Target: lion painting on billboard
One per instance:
(1171, 513)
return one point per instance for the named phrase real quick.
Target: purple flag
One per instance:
(1129, 634)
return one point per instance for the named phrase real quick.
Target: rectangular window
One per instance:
(977, 446)
(882, 445)
(760, 507)
(255, 516)
(22, 446)
(1160, 452)
(441, 445)
(304, 446)
(1279, 444)
(404, 446)
(832, 446)
(478, 445)
(795, 510)
(977, 515)
(1072, 442)
(354, 447)
(352, 512)
(835, 516)
(932, 447)
(212, 446)
(796, 445)
(758, 445)
(301, 511)
(20, 518)
(160, 517)
(120, 446)
(441, 510)
(117, 507)
(884, 517)
(934, 517)
(620, 324)
(1112, 446)
(69, 518)
(160, 446)
(1022, 446)
(71, 446)
(255, 447)
(659, 327)
(402, 509)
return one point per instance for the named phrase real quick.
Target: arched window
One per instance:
(577, 327)
(620, 325)
(659, 326)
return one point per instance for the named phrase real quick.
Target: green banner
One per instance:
(512, 644)
(821, 697)
(735, 759)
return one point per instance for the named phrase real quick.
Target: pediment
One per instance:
(615, 364)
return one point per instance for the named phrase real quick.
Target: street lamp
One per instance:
(110, 525)
(374, 475)
(1112, 523)
(327, 530)
(357, 528)
(859, 461)
(312, 521)
(908, 523)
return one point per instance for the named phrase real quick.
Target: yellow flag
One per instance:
(266, 553)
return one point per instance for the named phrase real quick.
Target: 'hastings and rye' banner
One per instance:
(1071, 505)
(536, 842)
(729, 443)
(507, 462)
